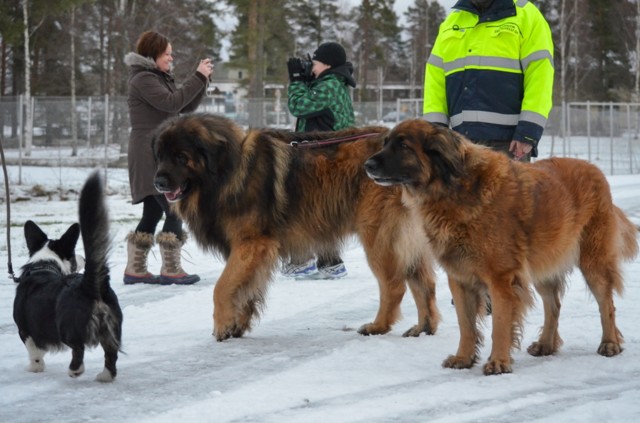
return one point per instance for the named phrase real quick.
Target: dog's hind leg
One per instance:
(466, 299)
(240, 291)
(110, 357)
(76, 367)
(600, 265)
(422, 283)
(36, 356)
(601, 278)
(549, 341)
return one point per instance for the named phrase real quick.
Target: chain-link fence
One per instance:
(604, 133)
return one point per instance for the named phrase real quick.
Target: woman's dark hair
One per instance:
(151, 44)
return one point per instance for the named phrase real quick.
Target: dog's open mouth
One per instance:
(385, 181)
(178, 194)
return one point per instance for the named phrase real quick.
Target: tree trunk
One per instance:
(28, 124)
(72, 84)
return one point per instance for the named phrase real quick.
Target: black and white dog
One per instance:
(56, 306)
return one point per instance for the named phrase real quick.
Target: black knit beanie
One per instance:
(331, 54)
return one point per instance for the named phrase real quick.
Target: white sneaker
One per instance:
(336, 271)
(300, 271)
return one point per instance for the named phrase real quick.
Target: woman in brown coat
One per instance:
(154, 97)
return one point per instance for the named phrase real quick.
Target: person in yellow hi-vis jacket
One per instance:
(490, 75)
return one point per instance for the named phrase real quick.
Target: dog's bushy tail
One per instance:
(629, 233)
(94, 227)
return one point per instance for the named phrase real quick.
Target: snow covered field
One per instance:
(304, 361)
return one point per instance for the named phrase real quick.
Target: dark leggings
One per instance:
(153, 207)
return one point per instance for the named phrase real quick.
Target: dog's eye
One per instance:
(182, 158)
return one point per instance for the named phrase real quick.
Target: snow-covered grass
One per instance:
(303, 361)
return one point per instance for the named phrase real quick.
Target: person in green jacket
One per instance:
(320, 98)
(490, 75)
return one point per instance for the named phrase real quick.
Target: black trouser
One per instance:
(323, 260)
(329, 259)
(502, 147)
(153, 207)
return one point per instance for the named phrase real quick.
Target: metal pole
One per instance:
(21, 138)
(629, 137)
(569, 129)
(611, 134)
(89, 123)
(106, 136)
(589, 129)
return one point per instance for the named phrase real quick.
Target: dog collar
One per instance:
(46, 267)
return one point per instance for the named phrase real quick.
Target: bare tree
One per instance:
(636, 90)
(72, 83)
(28, 133)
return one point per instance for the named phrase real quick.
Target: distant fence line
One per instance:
(606, 133)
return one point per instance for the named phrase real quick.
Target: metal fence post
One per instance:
(589, 130)
(106, 137)
(611, 134)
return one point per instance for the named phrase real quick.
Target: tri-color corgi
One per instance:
(55, 306)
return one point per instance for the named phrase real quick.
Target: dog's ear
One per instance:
(35, 237)
(443, 146)
(66, 245)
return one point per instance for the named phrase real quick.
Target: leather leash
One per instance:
(6, 185)
(324, 143)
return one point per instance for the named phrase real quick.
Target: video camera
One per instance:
(307, 65)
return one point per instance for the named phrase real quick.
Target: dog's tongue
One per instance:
(172, 196)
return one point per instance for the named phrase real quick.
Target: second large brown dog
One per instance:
(255, 199)
(504, 226)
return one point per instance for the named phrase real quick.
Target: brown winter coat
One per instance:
(153, 97)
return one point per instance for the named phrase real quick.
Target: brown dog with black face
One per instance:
(255, 199)
(504, 226)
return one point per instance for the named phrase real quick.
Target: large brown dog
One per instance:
(255, 199)
(504, 226)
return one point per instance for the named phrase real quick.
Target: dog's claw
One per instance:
(538, 349)
(455, 362)
(372, 329)
(495, 367)
(416, 330)
(609, 349)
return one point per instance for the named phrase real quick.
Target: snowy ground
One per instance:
(304, 361)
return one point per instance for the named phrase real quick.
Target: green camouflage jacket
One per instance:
(323, 104)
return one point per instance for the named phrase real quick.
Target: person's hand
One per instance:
(296, 71)
(519, 149)
(206, 68)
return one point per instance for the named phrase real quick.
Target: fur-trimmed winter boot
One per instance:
(138, 246)
(170, 249)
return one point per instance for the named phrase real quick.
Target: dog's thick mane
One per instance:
(233, 178)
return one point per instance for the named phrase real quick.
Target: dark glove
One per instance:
(296, 71)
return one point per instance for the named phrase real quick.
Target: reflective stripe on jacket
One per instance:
(490, 76)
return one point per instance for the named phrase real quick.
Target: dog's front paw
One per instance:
(497, 367)
(373, 329)
(457, 362)
(609, 349)
(228, 332)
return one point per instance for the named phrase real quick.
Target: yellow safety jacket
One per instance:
(490, 75)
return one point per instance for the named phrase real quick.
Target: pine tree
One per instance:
(314, 22)
(378, 44)
(261, 42)
(423, 21)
